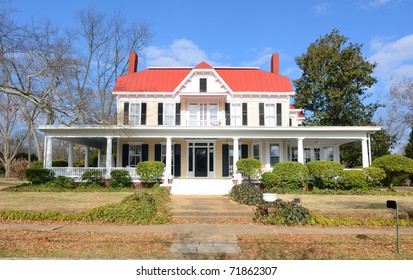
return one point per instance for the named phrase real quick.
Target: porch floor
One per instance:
(201, 186)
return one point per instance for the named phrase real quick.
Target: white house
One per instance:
(191, 118)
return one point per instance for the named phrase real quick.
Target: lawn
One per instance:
(65, 245)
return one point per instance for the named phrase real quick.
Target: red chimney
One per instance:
(133, 63)
(275, 64)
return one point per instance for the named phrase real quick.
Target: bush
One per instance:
(353, 179)
(18, 168)
(59, 163)
(375, 176)
(93, 177)
(62, 182)
(150, 171)
(39, 175)
(120, 179)
(270, 180)
(250, 167)
(394, 165)
(326, 174)
(246, 193)
(293, 175)
(282, 212)
(37, 164)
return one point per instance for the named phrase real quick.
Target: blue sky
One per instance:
(246, 33)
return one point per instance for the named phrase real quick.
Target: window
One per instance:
(270, 115)
(135, 114)
(135, 154)
(256, 151)
(294, 154)
(274, 154)
(169, 114)
(307, 155)
(329, 153)
(202, 85)
(316, 153)
(236, 114)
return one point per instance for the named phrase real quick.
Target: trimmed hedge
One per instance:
(326, 174)
(270, 181)
(250, 167)
(353, 179)
(93, 177)
(246, 193)
(282, 213)
(150, 171)
(62, 182)
(39, 175)
(394, 165)
(120, 179)
(375, 176)
(293, 175)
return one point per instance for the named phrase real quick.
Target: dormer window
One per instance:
(202, 85)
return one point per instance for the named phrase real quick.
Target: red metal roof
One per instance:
(238, 79)
(300, 114)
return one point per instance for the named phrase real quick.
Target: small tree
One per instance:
(293, 175)
(150, 171)
(394, 165)
(250, 167)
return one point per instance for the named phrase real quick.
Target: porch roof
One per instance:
(95, 136)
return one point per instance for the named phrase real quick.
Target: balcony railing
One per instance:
(220, 122)
(77, 172)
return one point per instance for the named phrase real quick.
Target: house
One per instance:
(200, 120)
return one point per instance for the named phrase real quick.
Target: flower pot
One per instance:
(269, 197)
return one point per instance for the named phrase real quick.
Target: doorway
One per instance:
(201, 160)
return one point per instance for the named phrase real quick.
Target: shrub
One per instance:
(394, 165)
(293, 175)
(353, 179)
(62, 182)
(250, 167)
(59, 163)
(375, 176)
(37, 164)
(150, 171)
(120, 179)
(325, 173)
(18, 168)
(270, 180)
(93, 176)
(39, 175)
(246, 193)
(282, 212)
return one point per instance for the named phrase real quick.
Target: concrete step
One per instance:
(201, 186)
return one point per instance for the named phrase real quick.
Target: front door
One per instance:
(201, 162)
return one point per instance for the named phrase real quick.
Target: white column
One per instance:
(87, 156)
(365, 152)
(168, 160)
(49, 154)
(99, 157)
(235, 158)
(300, 150)
(70, 155)
(108, 156)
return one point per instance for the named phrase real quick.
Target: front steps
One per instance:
(203, 186)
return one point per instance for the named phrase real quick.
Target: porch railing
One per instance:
(76, 172)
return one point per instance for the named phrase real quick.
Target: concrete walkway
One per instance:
(204, 237)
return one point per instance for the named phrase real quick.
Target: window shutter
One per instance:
(261, 113)
(158, 151)
(177, 160)
(160, 113)
(225, 160)
(279, 114)
(227, 114)
(145, 150)
(125, 155)
(244, 151)
(178, 114)
(126, 113)
(143, 114)
(244, 114)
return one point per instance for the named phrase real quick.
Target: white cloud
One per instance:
(377, 3)
(322, 8)
(394, 58)
(182, 52)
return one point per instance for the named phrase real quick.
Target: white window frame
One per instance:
(270, 118)
(135, 112)
(259, 151)
(236, 114)
(135, 153)
(269, 153)
(169, 117)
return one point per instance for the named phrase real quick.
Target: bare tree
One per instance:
(11, 132)
(108, 42)
(399, 109)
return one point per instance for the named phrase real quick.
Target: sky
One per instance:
(247, 33)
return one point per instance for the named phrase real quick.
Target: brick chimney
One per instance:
(275, 64)
(133, 63)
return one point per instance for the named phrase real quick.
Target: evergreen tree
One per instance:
(408, 150)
